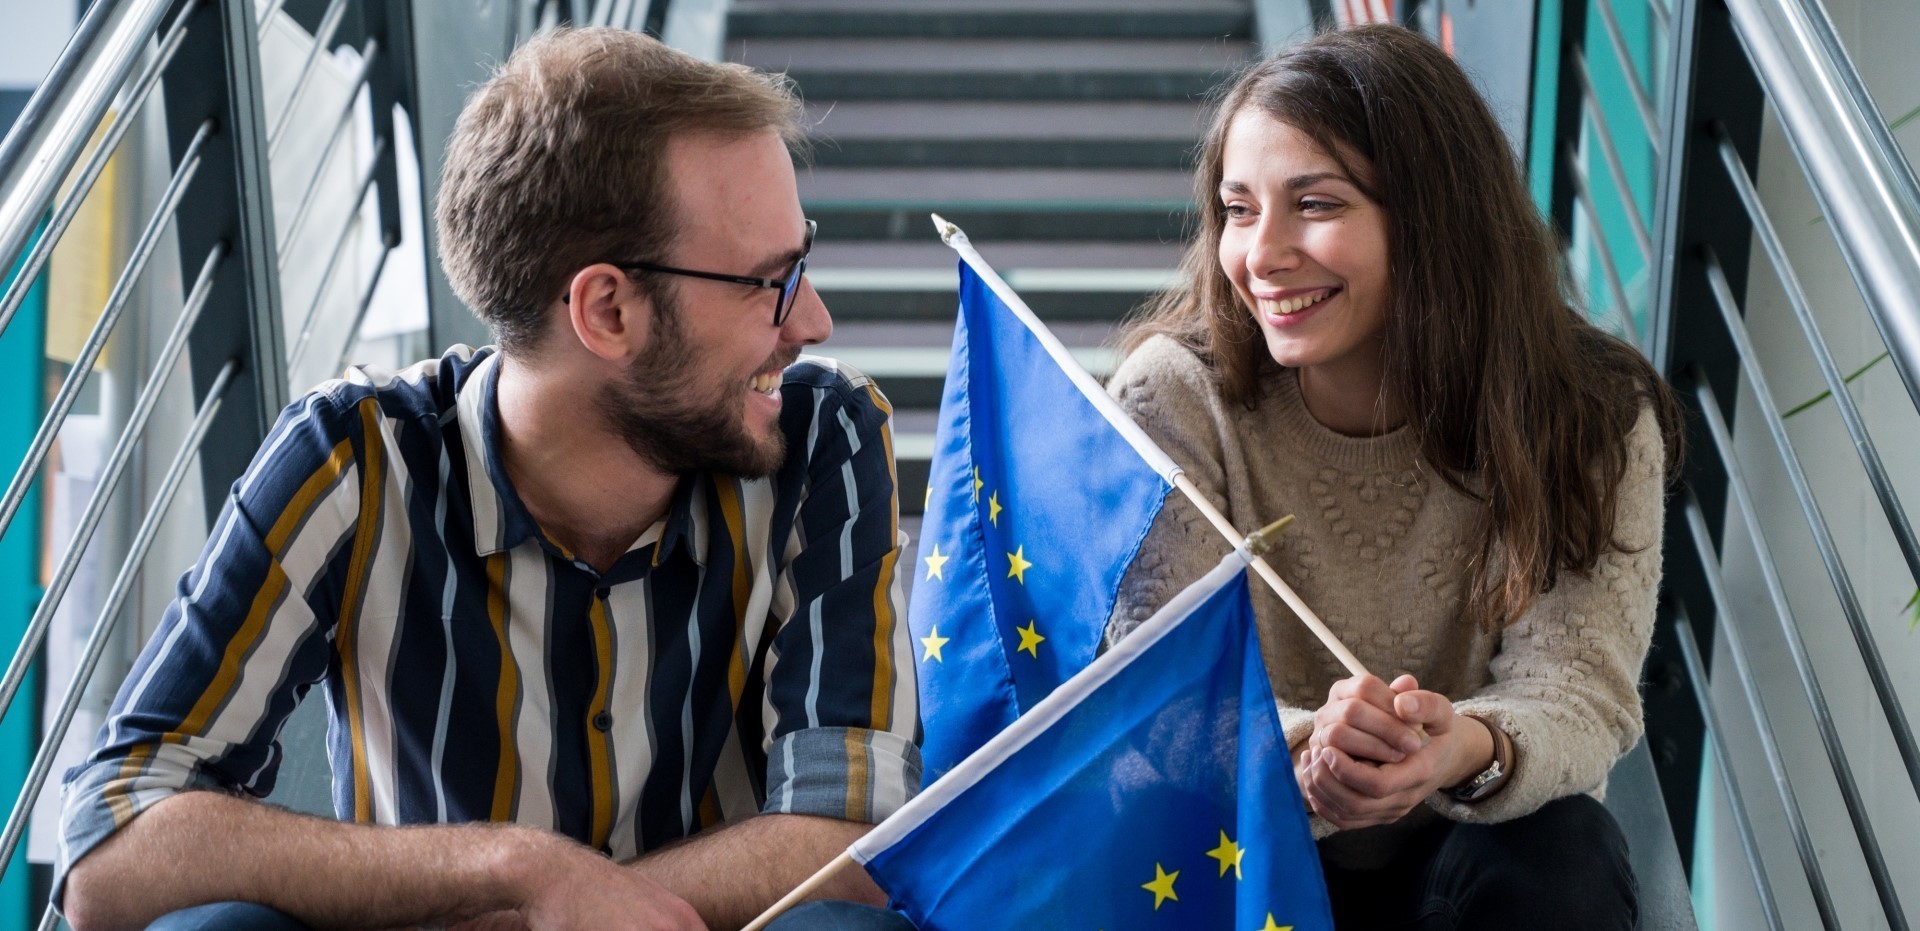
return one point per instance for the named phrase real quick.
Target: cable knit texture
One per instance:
(1380, 548)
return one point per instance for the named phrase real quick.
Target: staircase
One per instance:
(1057, 133)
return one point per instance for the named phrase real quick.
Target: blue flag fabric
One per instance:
(1152, 791)
(1036, 503)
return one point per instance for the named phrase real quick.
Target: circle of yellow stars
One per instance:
(1230, 855)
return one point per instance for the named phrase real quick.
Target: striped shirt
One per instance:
(747, 654)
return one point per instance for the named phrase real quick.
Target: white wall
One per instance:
(1879, 37)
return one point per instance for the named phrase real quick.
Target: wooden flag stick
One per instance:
(1273, 580)
(844, 860)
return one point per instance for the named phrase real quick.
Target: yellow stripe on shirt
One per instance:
(372, 484)
(244, 639)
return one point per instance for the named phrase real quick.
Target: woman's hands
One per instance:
(1365, 763)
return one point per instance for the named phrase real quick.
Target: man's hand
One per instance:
(562, 886)
(1356, 775)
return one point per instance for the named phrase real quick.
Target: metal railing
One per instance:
(217, 205)
(1728, 62)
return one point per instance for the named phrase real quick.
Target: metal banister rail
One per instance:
(1863, 184)
(1727, 61)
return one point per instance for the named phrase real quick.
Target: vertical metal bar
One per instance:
(1769, 237)
(1611, 155)
(110, 612)
(110, 474)
(96, 163)
(312, 192)
(1822, 537)
(1803, 665)
(328, 23)
(366, 301)
(1618, 39)
(1584, 195)
(97, 338)
(1709, 565)
(299, 351)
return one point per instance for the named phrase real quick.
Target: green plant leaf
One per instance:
(1822, 396)
(1913, 611)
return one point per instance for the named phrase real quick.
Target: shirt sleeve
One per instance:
(1566, 677)
(244, 639)
(846, 718)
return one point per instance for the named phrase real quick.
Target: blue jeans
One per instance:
(246, 916)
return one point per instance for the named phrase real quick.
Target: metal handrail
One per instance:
(1610, 153)
(69, 208)
(1642, 101)
(54, 128)
(1864, 186)
(1583, 192)
(299, 351)
(368, 55)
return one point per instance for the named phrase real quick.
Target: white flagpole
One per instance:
(1044, 714)
(1137, 438)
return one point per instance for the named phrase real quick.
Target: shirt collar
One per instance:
(500, 518)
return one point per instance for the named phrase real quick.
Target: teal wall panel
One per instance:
(22, 355)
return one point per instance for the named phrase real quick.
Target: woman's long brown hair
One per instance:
(1514, 397)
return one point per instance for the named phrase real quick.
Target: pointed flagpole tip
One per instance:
(948, 231)
(1262, 540)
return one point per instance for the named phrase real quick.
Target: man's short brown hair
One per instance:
(557, 162)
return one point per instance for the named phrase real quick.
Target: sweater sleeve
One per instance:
(1166, 389)
(1566, 675)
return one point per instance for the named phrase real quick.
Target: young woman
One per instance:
(1373, 336)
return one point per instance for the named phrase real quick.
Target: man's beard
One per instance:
(676, 421)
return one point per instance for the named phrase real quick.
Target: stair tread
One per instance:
(969, 120)
(1004, 256)
(945, 7)
(883, 334)
(1024, 186)
(985, 56)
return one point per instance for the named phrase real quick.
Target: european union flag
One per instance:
(1039, 494)
(1153, 790)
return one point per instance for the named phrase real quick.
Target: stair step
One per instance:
(1161, 222)
(992, 186)
(1056, 295)
(1044, 19)
(989, 152)
(1008, 257)
(913, 376)
(960, 69)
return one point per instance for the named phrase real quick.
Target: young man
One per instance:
(609, 616)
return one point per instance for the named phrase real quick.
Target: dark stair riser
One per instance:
(828, 152)
(1011, 24)
(935, 306)
(821, 86)
(1041, 223)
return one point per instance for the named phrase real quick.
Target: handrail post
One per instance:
(1696, 208)
(217, 76)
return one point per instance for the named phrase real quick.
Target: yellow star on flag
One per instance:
(1030, 639)
(1162, 886)
(1017, 565)
(994, 509)
(977, 484)
(1270, 926)
(1229, 854)
(933, 642)
(935, 563)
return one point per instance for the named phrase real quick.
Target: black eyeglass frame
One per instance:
(788, 286)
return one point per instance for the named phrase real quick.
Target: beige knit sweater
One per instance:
(1380, 550)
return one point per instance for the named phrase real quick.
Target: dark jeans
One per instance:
(1564, 867)
(246, 916)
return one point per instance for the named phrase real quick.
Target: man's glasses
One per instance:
(788, 286)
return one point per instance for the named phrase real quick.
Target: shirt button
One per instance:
(603, 721)
(602, 593)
